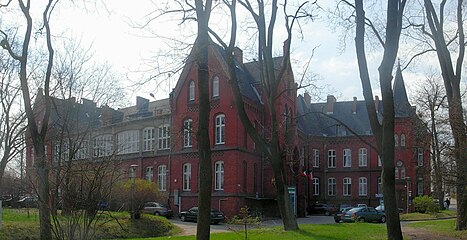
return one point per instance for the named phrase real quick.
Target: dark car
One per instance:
(158, 209)
(363, 214)
(338, 215)
(25, 202)
(192, 215)
(321, 208)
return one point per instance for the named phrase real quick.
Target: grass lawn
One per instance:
(427, 216)
(24, 224)
(440, 227)
(307, 231)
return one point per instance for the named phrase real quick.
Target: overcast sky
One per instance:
(115, 41)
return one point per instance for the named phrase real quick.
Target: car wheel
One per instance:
(383, 219)
(157, 214)
(337, 221)
(327, 213)
(182, 218)
(361, 219)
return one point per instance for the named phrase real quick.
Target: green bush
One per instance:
(425, 204)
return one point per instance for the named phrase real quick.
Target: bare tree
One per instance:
(12, 118)
(387, 35)
(37, 124)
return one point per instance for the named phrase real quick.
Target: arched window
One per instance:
(191, 91)
(402, 140)
(187, 130)
(162, 177)
(396, 140)
(220, 129)
(149, 173)
(186, 177)
(219, 176)
(402, 172)
(215, 87)
(347, 191)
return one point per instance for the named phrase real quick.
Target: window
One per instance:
(316, 158)
(219, 176)
(420, 156)
(215, 86)
(149, 173)
(332, 186)
(380, 163)
(103, 145)
(347, 186)
(132, 172)
(332, 158)
(186, 177)
(316, 186)
(128, 142)
(402, 172)
(420, 188)
(363, 186)
(220, 129)
(164, 137)
(191, 91)
(380, 185)
(396, 173)
(402, 140)
(187, 128)
(162, 177)
(396, 140)
(82, 151)
(347, 158)
(362, 157)
(148, 139)
(32, 156)
(61, 152)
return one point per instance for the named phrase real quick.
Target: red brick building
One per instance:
(157, 141)
(340, 149)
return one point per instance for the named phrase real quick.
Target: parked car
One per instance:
(361, 205)
(338, 215)
(158, 209)
(380, 208)
(7, 200)
(321, 208)
(363, 214)
(25, 202)
(192, 215)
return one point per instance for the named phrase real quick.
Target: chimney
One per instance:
(238, 55)
(142, 104)
(376, 103)
(354, 105)
(330, 104)
(307, 99)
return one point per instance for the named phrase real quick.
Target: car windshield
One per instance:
(354, 210)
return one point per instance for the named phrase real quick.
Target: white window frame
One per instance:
(315, 186)
(362, 186)
(332, 158)
(103, 145)
(191, 90)
(82, 151)
(163, 137)
(396, 140)
(347, 157)
(219, 176)
(149, 173)
(380, 162)
(362, 157)
(128, 142)
(402, 140)
(396, 173)
(420, 157)
(332, 187)
(132, 172)
(162, 177)
(187, 177)
(220, 129)
(402, 171)
(316, 158)
(215, 86)
(187, 130)
(148, 139)
(347, 186)
(420, 188)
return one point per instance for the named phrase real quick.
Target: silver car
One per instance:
(158, 209)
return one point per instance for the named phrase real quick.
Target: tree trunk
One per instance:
(204, 144)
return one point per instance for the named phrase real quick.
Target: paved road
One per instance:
(189, 228)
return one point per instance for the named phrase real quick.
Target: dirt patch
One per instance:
(423, 234)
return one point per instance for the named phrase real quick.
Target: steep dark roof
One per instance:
(402, 106)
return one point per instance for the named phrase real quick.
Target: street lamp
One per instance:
(133, 176)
